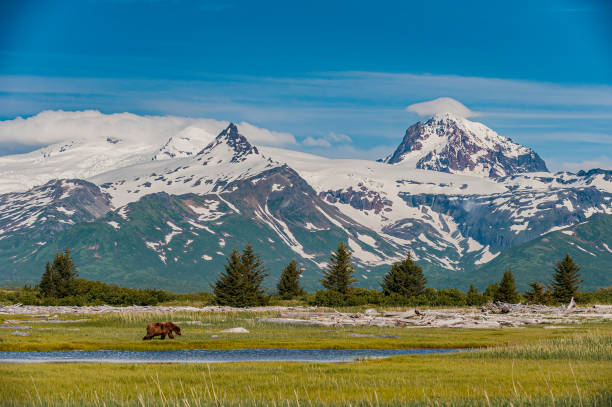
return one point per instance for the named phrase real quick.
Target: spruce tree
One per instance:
(47, 282)
(58, 280)
(566, 279)
(289, 284)
(537, 294)
(230, 286)
(405, 278)
(491, 291)
(507, 289)
(254, 274)
(339, 273)
(66, 273)
(473, 297)
(240, 284)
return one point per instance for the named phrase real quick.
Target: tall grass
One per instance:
(591, 346)
(413, 381)
(599, 400)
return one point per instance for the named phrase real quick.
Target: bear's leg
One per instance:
(170, 335)
(163, 336)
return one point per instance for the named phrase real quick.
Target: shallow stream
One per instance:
(209, 356)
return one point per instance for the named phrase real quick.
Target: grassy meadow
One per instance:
(124, 331)
(530, 366)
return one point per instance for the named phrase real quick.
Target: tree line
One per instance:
(241, 285)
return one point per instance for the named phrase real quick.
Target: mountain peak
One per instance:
(237, 145)
(187, 142)
(450, 143)
(448, 116)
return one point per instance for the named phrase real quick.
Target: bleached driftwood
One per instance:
(493, 315)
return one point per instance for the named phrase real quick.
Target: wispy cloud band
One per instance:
(368, 106)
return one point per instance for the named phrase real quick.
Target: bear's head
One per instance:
(175, 328)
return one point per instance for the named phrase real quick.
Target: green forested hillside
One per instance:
(589, 243)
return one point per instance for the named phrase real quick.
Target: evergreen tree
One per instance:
(66, 273)
(405, 278)
(230, 286)
(339, 273)
(473, 297)
(289, 283)
(254, 273)
(491, 291)
(47, 282)
(537, 294)
(507, 289)
(58, 280)
(240, 284)
(566, 279)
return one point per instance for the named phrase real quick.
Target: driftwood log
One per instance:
(492, 315)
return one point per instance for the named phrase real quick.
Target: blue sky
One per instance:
(344, 72)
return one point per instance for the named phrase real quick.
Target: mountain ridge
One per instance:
(293, 205)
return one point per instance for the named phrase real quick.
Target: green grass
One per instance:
(591, 346)
(395, 381)
(522, 367)
(125, 332)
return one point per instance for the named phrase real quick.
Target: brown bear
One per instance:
(162, 329)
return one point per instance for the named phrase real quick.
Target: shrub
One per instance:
(329, 298)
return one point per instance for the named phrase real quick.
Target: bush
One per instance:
(329, 298)
(95, 292)
(25, 295)
(601, 296)
(88, 292)
(202, 298)
(354, 296)
(362, 296)
(451, 297)
(474, 298)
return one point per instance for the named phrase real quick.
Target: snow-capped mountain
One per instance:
(455, 194)
(105, 145)
(186, 143)
(450, 143)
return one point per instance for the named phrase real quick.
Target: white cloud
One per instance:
(54, 126)
(570, 137)
(327, 141)
(351, 152)
(365, 105)
(339, 138)
(441, 105)
(264, 136)
(599, 162)
(316, 142)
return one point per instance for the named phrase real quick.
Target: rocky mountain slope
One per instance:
(455, 194)
(450, 143)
